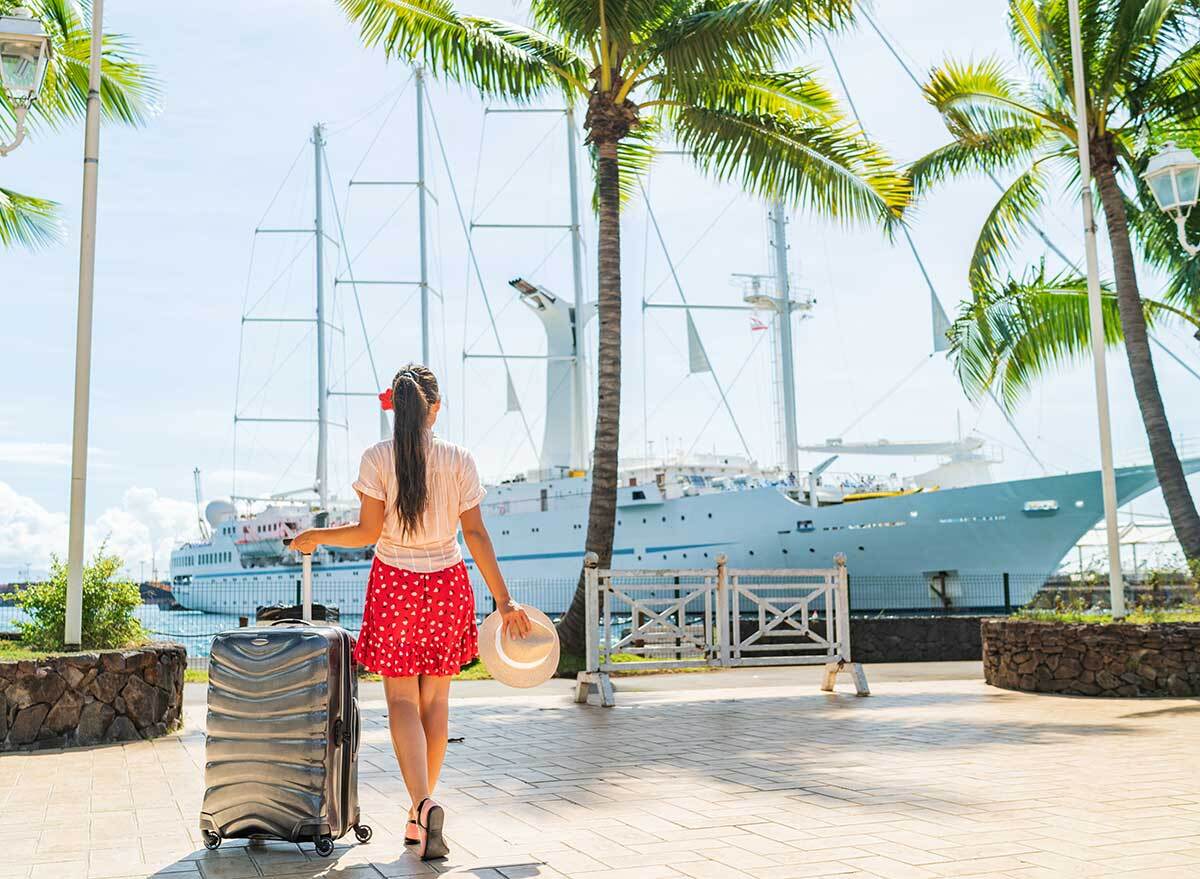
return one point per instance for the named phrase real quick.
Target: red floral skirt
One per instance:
(417, 624)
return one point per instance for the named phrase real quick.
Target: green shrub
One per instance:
(108, 607)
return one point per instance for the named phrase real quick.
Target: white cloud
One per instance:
(144, 526)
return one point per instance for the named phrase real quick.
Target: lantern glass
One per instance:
(1163, 187)
(20, 66)
(1187, 180)
(1173, 176)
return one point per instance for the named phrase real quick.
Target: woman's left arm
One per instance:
(363, 533)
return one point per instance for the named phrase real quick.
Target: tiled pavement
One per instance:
(924, 779)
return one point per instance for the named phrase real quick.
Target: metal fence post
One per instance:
(842, 607)
(723, 612)
(591, 575)
(1007, 597)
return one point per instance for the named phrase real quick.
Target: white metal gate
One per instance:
(681, 618)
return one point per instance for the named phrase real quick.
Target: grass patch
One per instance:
(1137, 616)
(14, 650)
(195, 676)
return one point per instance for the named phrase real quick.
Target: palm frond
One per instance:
(830, 168)
(1158, 240)
(993, 151)
(1130, 46)
(28, 221)
(1013, 214)
(1034, 41)
(625, 21)
(1011, 335)
(128, 89)
(796, 93)
(496, 57)
(977, 97)
(751, 35)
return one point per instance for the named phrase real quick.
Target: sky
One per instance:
(179, 265)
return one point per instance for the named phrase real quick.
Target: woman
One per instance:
(418, 626)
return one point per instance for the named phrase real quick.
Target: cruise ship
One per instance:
(905, 538)
(932, 531)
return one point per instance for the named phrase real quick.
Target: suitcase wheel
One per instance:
(362, 833)
(324, 846)
(212, 842)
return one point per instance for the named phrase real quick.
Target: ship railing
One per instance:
(718, 617)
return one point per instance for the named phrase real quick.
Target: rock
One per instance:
(1107, 680)
(3, 715)
(113, 661)
(1068, 669)
(43, 685)
(94, 721)
(27, 724)
(1093, 661)
(8, 671)
(142, 702)
(118, 705)
(107, 685)
(1178, 686)
(64, 716)
(136, 659)
(73, 676)
(87, 679)
(121, 730)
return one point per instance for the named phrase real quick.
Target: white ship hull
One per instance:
(894, 546)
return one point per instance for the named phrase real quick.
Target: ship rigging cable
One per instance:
(683, 298)
(475, 263)
(1041, 233)
(936, 303)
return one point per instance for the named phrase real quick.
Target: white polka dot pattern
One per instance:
(417, 623)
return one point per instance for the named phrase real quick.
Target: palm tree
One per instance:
(1142, 61)
(699, 71)
(127, 93)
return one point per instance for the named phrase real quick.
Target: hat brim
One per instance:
(501, 667)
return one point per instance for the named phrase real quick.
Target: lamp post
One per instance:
(24, 53)
(1173, 176)
(1108, 479)
(83, 338)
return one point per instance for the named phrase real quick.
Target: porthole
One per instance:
(751, 552)
(664, 518)
(862, 549)
(785, 552)
(710, 515)
(810, 549)
(681, 518)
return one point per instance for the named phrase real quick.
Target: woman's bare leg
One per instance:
(408, 734)
(435, 718)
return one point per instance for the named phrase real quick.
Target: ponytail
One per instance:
(414, 391)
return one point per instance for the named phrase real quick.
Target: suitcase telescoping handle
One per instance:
(306, 592)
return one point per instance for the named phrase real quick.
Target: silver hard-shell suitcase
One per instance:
(283, 734)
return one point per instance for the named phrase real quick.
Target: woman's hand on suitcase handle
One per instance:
(515, 621)
(304, 542)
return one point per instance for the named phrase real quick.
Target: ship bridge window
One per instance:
(639, 495)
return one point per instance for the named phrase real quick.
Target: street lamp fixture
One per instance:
(24, 53)
(1173, 176)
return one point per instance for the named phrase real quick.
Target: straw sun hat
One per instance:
(519, 662)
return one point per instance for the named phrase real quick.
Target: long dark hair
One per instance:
(414, 391)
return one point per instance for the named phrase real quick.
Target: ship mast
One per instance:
(784, 305)
(318, 142)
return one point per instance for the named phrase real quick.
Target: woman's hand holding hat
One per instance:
(516, 622)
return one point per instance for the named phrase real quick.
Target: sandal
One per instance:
(412, 834)
(430, 819)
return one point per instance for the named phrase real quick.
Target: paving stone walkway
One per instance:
(924, 779)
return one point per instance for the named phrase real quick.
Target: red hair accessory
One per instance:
(385, 400)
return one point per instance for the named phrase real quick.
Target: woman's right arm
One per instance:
(476, 536)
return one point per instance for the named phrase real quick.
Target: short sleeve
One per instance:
(370, 479)
(470, 490)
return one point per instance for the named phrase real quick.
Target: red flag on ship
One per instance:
(756, 324)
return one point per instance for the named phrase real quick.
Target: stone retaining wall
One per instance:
(88, 698)
(900, 639)
(1160, 659)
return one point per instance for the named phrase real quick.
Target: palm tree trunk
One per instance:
(602, 510)
(1171, 478)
